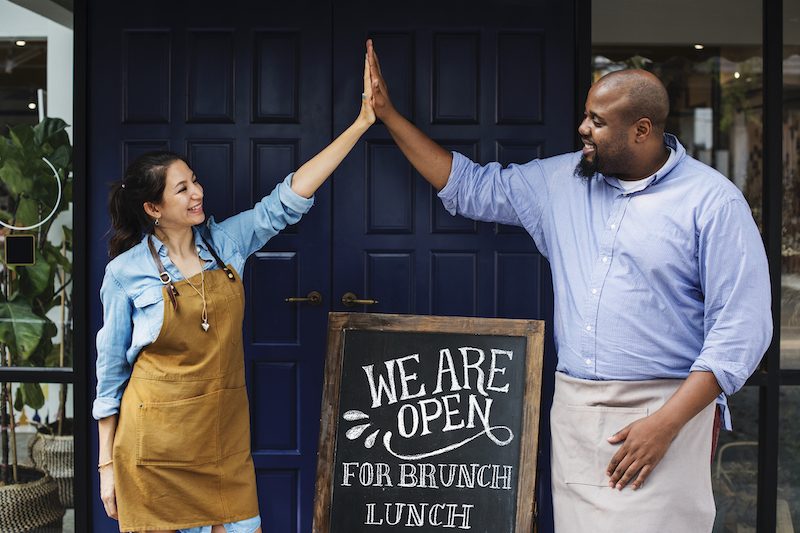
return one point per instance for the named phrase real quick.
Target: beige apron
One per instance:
(182, 446)
(676, 497)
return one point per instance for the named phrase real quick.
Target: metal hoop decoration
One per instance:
(55, 207)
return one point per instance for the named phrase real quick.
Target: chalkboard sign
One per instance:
(429, 424)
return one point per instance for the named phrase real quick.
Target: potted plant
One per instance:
(29, 297)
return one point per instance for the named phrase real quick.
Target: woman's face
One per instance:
(182, 203)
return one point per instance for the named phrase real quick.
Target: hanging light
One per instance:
(698, 47)
(737, 75)
(32, 106)
(20, 42)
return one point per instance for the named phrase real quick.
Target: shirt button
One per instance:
(594, 291)
(605, 259)
(613, 226)
(588, 361)
(588, 328)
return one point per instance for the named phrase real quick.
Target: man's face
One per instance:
(605, 134)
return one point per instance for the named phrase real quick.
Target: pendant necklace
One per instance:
(202, 293)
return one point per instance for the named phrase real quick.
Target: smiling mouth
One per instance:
(588, 147)
(196, 209)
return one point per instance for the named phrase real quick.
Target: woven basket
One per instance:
(31, 505)
(56, 456)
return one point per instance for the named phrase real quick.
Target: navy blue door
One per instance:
(244, 91)
(493, 80)
(251, 90)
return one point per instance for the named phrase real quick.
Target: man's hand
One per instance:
(380, 92)
(644, 443)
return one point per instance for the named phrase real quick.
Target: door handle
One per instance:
(312, 298)
(350, 299)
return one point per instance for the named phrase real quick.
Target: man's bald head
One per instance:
(645, 96)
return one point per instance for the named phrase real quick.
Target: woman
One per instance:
(174, 426)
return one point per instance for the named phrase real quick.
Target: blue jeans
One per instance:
(248, 525)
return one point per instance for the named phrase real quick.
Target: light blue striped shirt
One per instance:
(133, 301)
(667, 278)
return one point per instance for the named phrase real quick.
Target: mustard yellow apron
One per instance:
(182, 446)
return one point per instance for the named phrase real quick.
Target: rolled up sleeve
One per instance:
(735, 279)
(113, 342)
(515, 195)
(253, 228)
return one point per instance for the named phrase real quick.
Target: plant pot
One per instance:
(56, 456)
(32, 504)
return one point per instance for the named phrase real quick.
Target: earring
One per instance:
(155, 222)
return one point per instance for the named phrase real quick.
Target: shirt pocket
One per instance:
(582, 435)
(195, 443)
(148, 315)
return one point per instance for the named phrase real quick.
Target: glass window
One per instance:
(713, 74)
(790, 246)
(36, 430)
(788, 508)
(36, 189)
(734, 471)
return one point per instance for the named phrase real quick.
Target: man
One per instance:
(662, 300)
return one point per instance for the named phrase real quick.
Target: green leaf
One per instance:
(54, 357)
(36, 278)
(22, 136)
(67, 235)
(19, 401)
(39, 355)
(60, 158)
(27, 212)
(20, 328)
(32, 395)
(52, 130)
(14, 179)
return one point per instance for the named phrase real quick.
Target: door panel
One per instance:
(474, 76)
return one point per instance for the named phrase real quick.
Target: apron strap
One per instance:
(221, 264)
(166, 279)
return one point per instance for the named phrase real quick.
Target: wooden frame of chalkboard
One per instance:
(506, 493)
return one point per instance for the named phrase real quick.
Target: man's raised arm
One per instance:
(430, 159)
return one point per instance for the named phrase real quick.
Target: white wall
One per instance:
(18, 22)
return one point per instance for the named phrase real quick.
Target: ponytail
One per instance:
(144, 181)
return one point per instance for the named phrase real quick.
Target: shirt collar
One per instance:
(161, 248)
(676, 155)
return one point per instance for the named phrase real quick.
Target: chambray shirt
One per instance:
(656, 282)
(133, 309)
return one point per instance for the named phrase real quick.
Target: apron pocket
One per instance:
(178, 433)
(234, 422)
(583, 432)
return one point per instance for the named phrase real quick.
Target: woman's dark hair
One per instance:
(144, 181)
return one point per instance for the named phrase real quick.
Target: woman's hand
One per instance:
(107, 493)
(367, 114)
(380, 92)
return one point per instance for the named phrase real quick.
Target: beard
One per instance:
(586, 169)
(611, 165)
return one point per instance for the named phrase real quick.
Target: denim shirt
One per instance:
(132, 297)
(666, 278)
